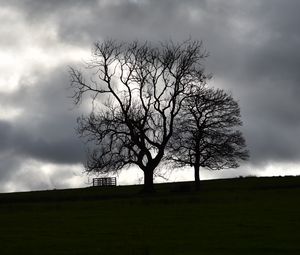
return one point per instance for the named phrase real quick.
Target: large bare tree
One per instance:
(206, 135)
(140, 88)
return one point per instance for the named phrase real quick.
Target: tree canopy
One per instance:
(206, 133)
(138, 90)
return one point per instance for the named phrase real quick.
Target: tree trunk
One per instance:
(197, 176)
(148, 181)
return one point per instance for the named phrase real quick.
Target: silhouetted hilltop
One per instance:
(241, 184)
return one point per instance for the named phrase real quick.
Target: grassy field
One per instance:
(237, 216)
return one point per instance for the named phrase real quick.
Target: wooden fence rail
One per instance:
(107, 181)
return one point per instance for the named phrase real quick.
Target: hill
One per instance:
(234, 216)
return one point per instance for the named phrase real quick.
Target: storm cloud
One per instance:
(254, 54)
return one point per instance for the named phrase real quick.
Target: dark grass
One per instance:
(236, 216)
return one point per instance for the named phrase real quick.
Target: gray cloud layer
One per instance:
(254, 53)
(46, 128)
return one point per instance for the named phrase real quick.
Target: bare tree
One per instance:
(206, 134)
(141, 88)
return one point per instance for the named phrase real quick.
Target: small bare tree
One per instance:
(206, 134)
(141, 88)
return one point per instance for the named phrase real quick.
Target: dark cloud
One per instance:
(45, 129)
(253, 49)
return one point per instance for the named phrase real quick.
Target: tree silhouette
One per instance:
(205, 134)
(140, 89)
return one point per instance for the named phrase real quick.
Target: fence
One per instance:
(107, 181)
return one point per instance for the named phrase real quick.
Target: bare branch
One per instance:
(146, 86)
(205, 133)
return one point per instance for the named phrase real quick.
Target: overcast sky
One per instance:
(254, 53)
